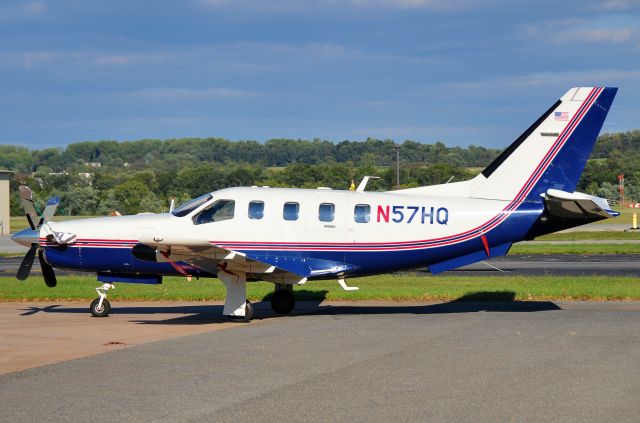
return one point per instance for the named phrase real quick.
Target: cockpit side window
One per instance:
(186, 208)
(218, 211)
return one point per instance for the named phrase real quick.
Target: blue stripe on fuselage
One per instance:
(109, 259)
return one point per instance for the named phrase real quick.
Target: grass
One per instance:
(626, 214)
(383, 287)
(592, 236)
(575, 249)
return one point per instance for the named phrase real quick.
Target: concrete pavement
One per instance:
(509, 361)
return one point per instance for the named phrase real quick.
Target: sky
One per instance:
(458, 71)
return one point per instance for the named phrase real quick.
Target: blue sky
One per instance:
(457, 71)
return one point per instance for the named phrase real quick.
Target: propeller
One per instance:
(30, 237)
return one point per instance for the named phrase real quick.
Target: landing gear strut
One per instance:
(282, 300)
(236, 305)
(100, 307)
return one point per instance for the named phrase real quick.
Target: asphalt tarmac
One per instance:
(510, 265)
(342, 362)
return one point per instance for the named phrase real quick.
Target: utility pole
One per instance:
(397, 148)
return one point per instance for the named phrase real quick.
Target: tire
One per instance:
(248, 312)
(283, 301)
(102, 311)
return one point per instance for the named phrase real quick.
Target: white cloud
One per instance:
(45, 58)
(616, 5)
(567, 79)
(141, 58)
(186, 93)
(573, 31)
(34, 8)
(415, 4)
(550, 27)
(595, 35)
(21, 11)
(303, 5)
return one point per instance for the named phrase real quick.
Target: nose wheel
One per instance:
(100, 307)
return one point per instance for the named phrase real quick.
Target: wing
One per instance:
(214, 259)
(271, 267)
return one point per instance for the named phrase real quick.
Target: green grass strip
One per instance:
(383, 287)
(575, 249)
(592, 236)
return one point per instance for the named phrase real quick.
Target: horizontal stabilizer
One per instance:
(476, 256)
(576, 205)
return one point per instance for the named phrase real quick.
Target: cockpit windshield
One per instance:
(186, 208)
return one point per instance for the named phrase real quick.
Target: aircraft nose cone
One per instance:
(26, 237)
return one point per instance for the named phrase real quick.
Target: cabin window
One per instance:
(216, 212)
(256, 210)
(361, 213)
(290, 211)
(326, 212)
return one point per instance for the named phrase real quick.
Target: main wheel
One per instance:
(283, 301)
(248, 314)
(248, 311)
(101, 311)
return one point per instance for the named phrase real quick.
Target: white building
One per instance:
(5, 211)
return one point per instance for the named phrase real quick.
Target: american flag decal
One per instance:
(561, 115)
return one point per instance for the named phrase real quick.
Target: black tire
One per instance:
(102, 311)
(248, 312)
(283, 301)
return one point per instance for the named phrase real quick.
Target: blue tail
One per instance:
(565, 169)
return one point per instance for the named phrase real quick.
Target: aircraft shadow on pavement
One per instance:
(310, 302)
(191, 314)
(487, 301)
(194, 314)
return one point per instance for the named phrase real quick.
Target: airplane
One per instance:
(289, 236)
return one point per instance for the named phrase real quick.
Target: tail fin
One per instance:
(552, 153)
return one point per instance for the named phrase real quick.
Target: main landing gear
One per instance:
(282, 300)
(236, 306)
(100, 307)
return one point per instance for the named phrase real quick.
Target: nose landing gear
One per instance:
(100, 307)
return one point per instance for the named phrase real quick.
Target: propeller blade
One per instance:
(50, 208)
(27, 262)
(31, 224)
(26, 201)
(47, 271)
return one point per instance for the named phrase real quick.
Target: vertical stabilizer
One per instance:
(551, 153)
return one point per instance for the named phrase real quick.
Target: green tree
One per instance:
(129, 196)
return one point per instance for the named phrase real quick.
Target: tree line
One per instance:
(95, 178)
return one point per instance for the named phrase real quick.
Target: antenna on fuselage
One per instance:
(363, 183)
